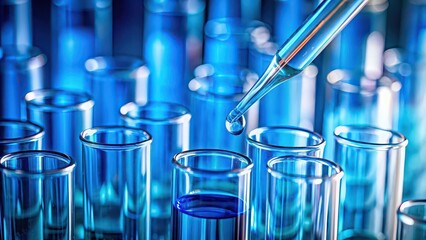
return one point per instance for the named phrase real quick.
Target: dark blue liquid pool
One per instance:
(209, 216)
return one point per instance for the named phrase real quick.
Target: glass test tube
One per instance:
(215, 91)
(353, 98)
(211, 195)
(373, 161)
(412, 220)
(64, 115)
(15, 22)
(113, 82)
(302, 198)
(116, 178)
(81, 29)
(168, 125)
(21, 71)
(226, 42)
(266, 143)
(36, 195)
(19, 136)
(296, 96)
(172, 30)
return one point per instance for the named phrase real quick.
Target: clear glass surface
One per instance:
(412, 220)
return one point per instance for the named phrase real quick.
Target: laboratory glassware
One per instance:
(63, 114)
(18, 135)
(371, 190)
(21, 71)
(36, 195)
(297, 53)
(412, 220)
(211, 195)
(116, 179)
(302, 198)
(113, 82)
(168, 124)
(265, 143)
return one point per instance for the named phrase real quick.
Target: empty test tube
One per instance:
(412, 220)
(116, 178)
(19, 136)
(113, 82)
(371, 192)
(81, 29)
(302, 198)
(37, 196)
(15, 22)
(353, 98)
(168, 124)
(215, 90)
(21, 71)
(266, 143)
(64, 115)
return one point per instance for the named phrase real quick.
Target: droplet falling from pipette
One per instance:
(236, 127)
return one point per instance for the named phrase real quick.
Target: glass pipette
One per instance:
(328, 19)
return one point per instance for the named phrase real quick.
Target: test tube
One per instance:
(36, 195)
(412, 220)
(18, 135)
(215, 90)
(353, 98)
(81, 29)
(371, 191)
(168, 124)
(211, 195)
(302, 198)
(226, 42)
(266, 143)
(21, 71)
(116, 178)
(172, 30)
(15, 22)
(113, 82)
(64, 115)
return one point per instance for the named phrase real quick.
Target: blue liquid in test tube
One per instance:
(211, 195)
(15, 22)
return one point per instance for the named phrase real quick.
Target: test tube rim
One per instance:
(115, 146)
(320, 145)
(402, 143)
(203, 172)
(299, 178)
(32, 100)
(34, 53)
(403, 216)
(182, 113)
(30, 138)
(112, 64)
(68, 168)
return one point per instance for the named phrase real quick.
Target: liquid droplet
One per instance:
(236, 127)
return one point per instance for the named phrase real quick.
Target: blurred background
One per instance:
(205, 54)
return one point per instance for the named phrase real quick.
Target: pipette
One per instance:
(328, 19)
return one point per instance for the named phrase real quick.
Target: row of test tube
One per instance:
(353, 96)
(280, 189)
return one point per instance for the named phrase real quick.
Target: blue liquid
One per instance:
(209, 216)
